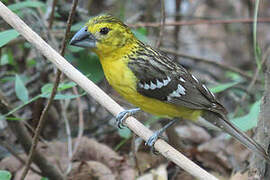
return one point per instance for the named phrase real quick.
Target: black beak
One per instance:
(83, 38)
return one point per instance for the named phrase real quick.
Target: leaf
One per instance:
(7, 36)
(223, 87)
(25, 4)
(20, 89)
(5, 175)
(90, 65)
(250, 120)
(47, 88)
(4, 59)
(124, 133)
(44, 178)
(77, 26)
(68, 85)
(141, 35)
(62, 96)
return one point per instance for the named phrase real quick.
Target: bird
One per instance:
(152, 81)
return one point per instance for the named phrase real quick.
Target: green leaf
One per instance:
(20, 89)
(31, 63)
(222, 87)
(7, 36)
(124, 133)
(250, 120)
(25, 4)
(141, 35)
(233, 76)
(4, 59)
(89, 64)
(47, 88)
(75, 49)
(62, 96)
(5, 175)
(44, 178)
(77, 26)
(68, 85)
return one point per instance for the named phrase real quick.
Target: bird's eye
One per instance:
(104, 30)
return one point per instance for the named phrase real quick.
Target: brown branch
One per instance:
(163, 18)
(177, 28)
(198, 22)
(161, 146)
(54, 91)
(51, 18)
(212, 62)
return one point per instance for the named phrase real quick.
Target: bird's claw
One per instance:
(157, 134)
(124, 115)
(151, 141)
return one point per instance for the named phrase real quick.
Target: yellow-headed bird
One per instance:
(149, 79)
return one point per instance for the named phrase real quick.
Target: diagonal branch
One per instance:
(198, 22)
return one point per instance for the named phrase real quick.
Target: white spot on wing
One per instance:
(212, 94)
(152, 85)
(146, 86)
(182, 79)
(195, 78)
(166, 81)
(159, 84)
(181, 89)
(174, 94)
(178, 92)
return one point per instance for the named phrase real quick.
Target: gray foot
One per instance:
(124, 115)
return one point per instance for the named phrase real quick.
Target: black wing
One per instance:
(160, 78)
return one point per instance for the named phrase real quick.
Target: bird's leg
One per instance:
(151, 141)
(124, 115)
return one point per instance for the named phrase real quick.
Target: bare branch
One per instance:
(163, 18)
(198, 22)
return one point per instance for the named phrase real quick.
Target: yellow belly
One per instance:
(124, 82)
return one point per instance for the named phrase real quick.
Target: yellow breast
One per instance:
(124, 82)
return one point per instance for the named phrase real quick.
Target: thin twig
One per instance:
(163, 18)
(161, 146)
(198, 22)
(68, 131)
(177, 28)
(51, 18)
(54, 91)
(81, 123)
(212, 62)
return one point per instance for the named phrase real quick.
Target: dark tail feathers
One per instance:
(224, 124)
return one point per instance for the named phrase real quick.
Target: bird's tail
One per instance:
(224, 124)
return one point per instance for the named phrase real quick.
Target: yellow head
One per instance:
(103, 34)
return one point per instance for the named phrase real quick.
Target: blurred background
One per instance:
(215, 40)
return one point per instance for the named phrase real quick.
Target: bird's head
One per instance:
(103, 34)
